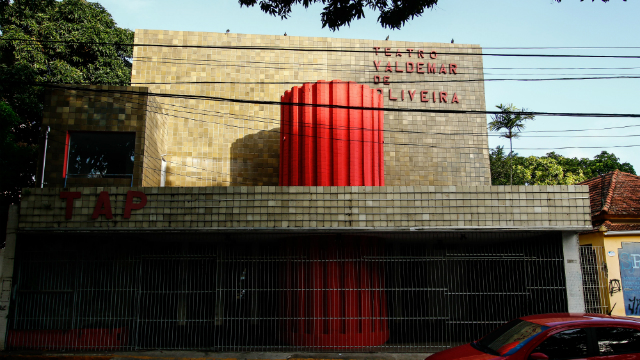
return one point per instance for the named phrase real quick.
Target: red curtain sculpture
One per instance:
(334, 293)
(331, 146)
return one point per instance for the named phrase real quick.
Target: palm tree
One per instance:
(510, 119)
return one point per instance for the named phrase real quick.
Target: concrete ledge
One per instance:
(312, 229)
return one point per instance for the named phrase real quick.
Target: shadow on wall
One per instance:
(255, 159)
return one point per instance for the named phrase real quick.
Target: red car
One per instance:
(555, 336)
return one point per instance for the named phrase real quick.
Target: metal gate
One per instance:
(594, 279)
(384, 292)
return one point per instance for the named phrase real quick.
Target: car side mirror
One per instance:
(538, 356)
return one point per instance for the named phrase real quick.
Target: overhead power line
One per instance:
(331, 137)
(389, 82)
(319, 49)
(271, 102)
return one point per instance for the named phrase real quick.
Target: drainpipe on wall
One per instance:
(163, 171)
(44, 158)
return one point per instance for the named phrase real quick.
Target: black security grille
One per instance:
(230, 292)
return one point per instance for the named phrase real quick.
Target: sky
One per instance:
(493, 24)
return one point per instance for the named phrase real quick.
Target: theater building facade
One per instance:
(271, 193)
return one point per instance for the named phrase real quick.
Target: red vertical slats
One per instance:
(376, 139)
(318, 284)
(381, 136)
(323, 130)
(281, 142)
(333, 295)
(332, 146)
(367, 137)
(294, 151)
(355, 135)
(308, 127)
(285, 130)
(341, 131)
(285, 140)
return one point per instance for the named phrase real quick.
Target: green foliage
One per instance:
(15, 156)
(500, 164)
(544, 171)
(552, 169)
(62, 42)
(338, 13)
(511, 120)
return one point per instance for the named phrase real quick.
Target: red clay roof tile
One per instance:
(615, 193)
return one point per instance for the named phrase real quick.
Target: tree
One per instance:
(551, 169)
(49, 51)
(604, 163)
(337, 13)
(511, 119)
(545, 171)
(57, 42)
(601, 164)
(500, 165)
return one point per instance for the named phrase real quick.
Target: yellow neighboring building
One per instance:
(614, 244)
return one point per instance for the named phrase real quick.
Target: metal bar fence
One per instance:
(398, 293)
(594, 279)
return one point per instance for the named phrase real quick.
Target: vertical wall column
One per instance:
(6, 277)
(573, 272)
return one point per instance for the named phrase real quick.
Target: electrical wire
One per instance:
(384, 142)
(387, 109)
(316, 49)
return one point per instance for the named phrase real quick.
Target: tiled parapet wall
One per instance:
(317, 208)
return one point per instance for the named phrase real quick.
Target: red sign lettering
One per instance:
(103, 206)
(69, 196)
(130, 205)
(410, 68)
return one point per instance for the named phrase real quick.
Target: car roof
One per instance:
(571, 318)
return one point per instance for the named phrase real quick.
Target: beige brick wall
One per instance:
(92, 108)
(320, 208)
(225, 143)
(155, 143)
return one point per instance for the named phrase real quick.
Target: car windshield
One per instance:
(510, 337)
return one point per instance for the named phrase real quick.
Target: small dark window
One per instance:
(101, 154)
(570, 344)
(617, 340)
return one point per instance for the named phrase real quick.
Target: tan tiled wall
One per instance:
(103, 108)
(155, 143)
(224, 143)
(328, 208)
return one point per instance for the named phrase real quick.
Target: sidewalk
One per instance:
(196, 355)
